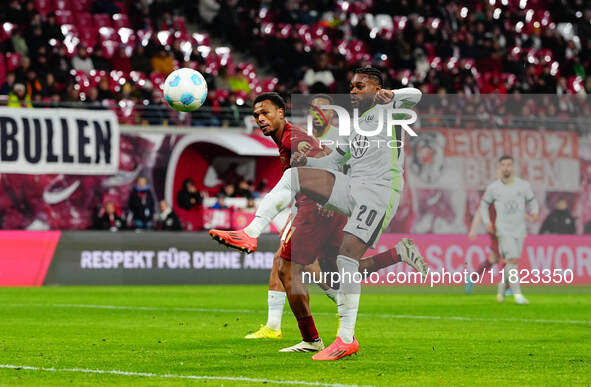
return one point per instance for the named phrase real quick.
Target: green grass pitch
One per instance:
(192, 332)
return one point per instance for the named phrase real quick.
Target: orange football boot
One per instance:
(337, 350)
(238, 240)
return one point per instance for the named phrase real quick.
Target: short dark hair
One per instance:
(372, 72)
(323, 96)
(275, 99)
(505, 157)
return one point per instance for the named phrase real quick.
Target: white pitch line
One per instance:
(389, 316)
(173, 376)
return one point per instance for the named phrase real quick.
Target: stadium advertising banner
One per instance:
(69, 141)
(104, 258)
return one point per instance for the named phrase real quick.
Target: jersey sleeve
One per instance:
(486, 201)
(302, 143)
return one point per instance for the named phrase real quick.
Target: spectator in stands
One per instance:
(82, 61)
(242, 191)
(99, 60)
(71, 95)
(250, 206)
(36, 39)
(156, 112)
(34, 85)
(19, 44)
(51, 29)
(15, 14)
(60, 64)
(121, 61)
(163, 63)
(21, 72)
(105, 6)
(92, 101)
(109, 220)
(320, 77)
(252, 190)
(19, 97)
(139, 61)
(208, 10)
(141, 204)
(220, 203)
(228, 190)
(560, 220)
(8, 84)
(168, 220)
(188, 197)
(104, 92)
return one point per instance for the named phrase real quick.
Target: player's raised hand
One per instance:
(384, 96)
(298, 159)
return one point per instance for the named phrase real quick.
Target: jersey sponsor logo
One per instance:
(511, 207)
(359, 146)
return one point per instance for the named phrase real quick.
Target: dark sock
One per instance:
(308, 329)
(385, 259)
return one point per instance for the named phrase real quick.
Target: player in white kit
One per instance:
(369, 195)
(514, 202)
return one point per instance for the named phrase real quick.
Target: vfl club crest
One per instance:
(359, 146)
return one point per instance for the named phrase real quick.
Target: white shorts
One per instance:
(370, 207)
(510, 246)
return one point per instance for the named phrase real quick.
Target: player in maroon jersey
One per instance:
(323, 234)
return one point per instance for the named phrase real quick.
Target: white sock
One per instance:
(274, 202)
(511, 267)
(276, 301)
(331, 293)
(349, 293)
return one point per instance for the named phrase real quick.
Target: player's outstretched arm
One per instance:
(486, 201)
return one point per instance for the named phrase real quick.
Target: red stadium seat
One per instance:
(84, 20)
(80, 5)
(122, 7)
(179, 24)
(157, 79)
(44, 7)
(64, 17)
(88, 36)
(109, 48)
(269, 84)
(102, 20)
(2, 69)
(121, 20)
(144, 36)
(108, 33)
(201, 39)
(62, 5)
(13, 61)
(127, 111)
(6, 31)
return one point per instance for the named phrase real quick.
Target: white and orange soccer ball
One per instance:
(185, 90)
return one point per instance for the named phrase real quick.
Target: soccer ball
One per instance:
(185, 90)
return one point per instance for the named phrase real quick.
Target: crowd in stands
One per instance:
(141, 212)
(115, 54)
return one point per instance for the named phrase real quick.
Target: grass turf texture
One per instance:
(43, 327)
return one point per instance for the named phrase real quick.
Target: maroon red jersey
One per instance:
(296, 139)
